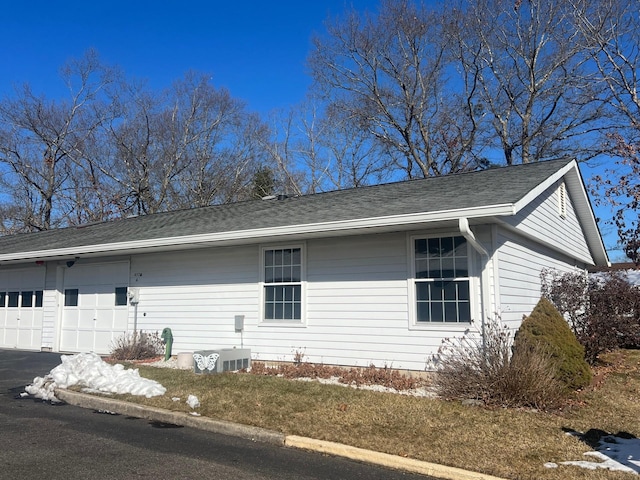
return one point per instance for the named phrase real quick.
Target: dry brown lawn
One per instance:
(508, 443)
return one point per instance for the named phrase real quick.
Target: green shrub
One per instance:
(546, 331)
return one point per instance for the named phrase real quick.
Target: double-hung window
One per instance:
(282, 271)
(441, 267)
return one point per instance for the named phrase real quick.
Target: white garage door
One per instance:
(21, 309)
(95, 310)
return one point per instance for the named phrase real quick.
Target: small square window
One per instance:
(13, 299)
(39, 297)
(26, 299)
(71, 297)
(3, 299)
(121, 296)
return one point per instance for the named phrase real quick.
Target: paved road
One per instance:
(41, 440)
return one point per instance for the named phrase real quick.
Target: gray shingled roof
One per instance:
(496, 186)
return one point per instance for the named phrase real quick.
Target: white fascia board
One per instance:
(584, 211)
(537, 191)
(336, 227)
(578, 193)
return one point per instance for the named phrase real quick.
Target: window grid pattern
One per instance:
(283, 284)
(23, 299)
(442, 280)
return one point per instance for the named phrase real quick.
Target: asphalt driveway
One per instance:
(60, 441)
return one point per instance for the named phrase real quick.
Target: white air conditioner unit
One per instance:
(222, 360)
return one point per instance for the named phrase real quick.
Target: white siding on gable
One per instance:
(541, 219)
(520, 263)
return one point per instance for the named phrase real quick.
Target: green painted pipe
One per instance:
(167, 339)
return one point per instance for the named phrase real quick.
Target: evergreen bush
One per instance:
(546, 331)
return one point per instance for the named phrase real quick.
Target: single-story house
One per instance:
(374, 275)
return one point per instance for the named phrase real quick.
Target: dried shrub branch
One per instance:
(602, 310)
(372, 375)
(488, 371)
(137, 345)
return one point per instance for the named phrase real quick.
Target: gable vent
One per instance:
(562, 200)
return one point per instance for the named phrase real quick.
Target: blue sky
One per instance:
(256, 49)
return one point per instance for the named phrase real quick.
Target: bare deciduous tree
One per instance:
(192, 146)
(42, 142)
(611, 33)
(388, 74)
(116, 148)
(534, 78)
(444, 89)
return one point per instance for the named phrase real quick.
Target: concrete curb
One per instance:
(384, 459)
(261, 435)
(167, 416)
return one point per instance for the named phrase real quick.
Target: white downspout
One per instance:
(485, 294)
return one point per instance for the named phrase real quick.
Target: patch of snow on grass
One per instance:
(193, 401)
(416, 392)
(615, 453)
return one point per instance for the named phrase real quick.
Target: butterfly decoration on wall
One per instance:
(206, 362)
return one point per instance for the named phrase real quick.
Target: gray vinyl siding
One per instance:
(355, 305)
(541, 220)
(197, 294)
(520, 263)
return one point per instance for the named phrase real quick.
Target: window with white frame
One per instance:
(441, 277)
(282, 284)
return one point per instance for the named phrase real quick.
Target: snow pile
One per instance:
(88, 370)
(615, 453)
(193, 401)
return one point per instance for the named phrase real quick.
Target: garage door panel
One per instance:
(85, 337)
(103, 340)
(68, 340)
(12, 319)
(28, 337)
(20, 318)
(96, 317)
(105, 298)
(27, 319)
(70, 319)
(11, 336)
(85, 319)
(104, 320)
